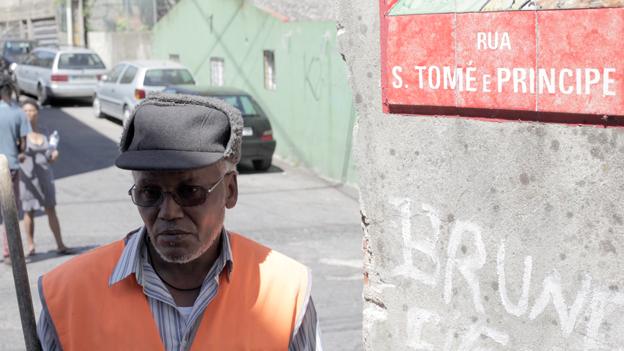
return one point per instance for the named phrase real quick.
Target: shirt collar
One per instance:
(130, 260)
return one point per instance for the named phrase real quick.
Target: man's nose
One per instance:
(169, 209)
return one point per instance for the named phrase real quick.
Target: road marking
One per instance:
(343, 263)
(348, 278)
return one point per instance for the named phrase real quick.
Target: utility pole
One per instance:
(81, 20)
(70, 22)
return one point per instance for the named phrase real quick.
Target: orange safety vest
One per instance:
(256, 309)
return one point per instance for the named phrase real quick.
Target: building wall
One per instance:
(29, 19)
(114, 47)
(12, 10)
(311, 109)
(481, 234)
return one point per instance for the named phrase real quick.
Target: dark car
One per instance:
(258, 142)
(15, 51)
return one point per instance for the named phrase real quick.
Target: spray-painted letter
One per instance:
(427, 246)
(467, 266)
(416, 319)
(523, 304)
(552, 291)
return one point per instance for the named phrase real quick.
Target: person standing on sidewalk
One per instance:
(182, 281)
(36, 181)
(14, 127)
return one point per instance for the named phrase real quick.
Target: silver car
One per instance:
(51, 72)
(130, 82)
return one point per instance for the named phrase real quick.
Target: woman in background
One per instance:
(37, 190)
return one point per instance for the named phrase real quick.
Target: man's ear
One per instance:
(231, 190)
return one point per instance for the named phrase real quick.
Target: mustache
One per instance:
(170, 229)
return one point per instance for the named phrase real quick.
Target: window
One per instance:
(269, 70)
(242, 102)
(128, 75)
(164, 77)
(216, 71)
(80, 61)
(174, 57)
(115, 73)
(30, 60)
(16, 49)
(44, 59)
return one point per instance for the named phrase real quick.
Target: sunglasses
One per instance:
(184, 195)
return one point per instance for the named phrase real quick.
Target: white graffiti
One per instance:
(478, 331)
(416, 319)
(597, 303)
(523, 304)
(467, 266)
(552, 291)
(427, 246)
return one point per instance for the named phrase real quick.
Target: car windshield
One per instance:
(164, 77)
(80, 61)
(242, 102)
(15, 49)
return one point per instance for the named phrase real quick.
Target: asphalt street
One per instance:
(286, 208)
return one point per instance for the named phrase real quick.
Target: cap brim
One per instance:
(166, 160)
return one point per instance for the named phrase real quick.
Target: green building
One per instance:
(282, 53)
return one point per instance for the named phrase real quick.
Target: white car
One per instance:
(65, 72)
(129, 82)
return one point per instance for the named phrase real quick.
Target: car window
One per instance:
(128, 75)
(17, 48)
(44, 59)
(80, 61)
(30, 59)
(169, 76)
(242, 102)
(115, 73)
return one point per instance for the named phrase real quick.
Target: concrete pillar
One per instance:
(484, 234)
(29, 27)
(81, 24)
(69, 14)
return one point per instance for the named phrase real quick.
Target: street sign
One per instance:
(489, 59)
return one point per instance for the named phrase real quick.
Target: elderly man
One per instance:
(180, 282)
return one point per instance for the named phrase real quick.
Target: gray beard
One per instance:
(187, 258)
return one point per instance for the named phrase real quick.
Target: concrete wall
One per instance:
(12, 10)
(483, 235)
(311, 109)
(118, 46)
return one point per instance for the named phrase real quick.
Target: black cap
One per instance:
(180, 132)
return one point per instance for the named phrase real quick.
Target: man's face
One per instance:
(181, 234)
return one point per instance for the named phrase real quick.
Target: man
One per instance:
(14, 127)
(181, 282)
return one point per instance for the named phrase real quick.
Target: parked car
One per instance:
(59, 72)
(129, 82)
(258, 143)
(15, 51)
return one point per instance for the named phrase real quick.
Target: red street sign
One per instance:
(536, 64)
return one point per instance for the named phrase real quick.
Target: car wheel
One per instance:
(97, 107)
(261, 165)
(42, 95)
(126, 115)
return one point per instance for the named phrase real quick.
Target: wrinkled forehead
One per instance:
(198, 176)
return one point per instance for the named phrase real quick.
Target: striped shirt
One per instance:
(177, 331)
